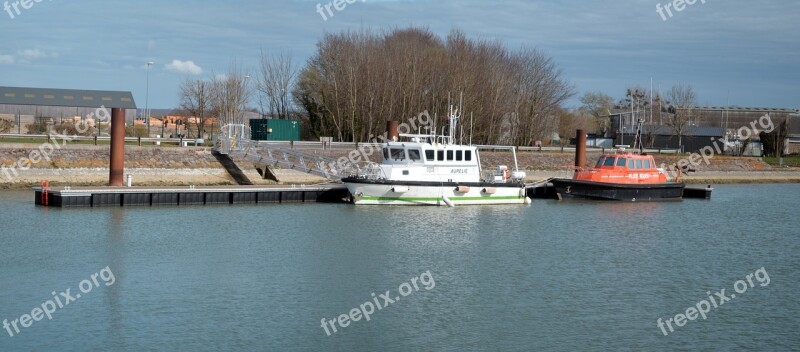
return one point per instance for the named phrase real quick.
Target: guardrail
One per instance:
(316, 144)
(47, 137)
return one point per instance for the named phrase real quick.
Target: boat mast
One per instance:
(453, 125)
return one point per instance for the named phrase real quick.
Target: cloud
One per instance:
(31, 54)
(6, 59)
(184, 67)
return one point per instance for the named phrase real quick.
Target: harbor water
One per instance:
(552, 276)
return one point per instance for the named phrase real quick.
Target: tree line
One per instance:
(358, 80)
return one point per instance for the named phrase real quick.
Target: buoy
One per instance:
(528, 200)
(448, 201)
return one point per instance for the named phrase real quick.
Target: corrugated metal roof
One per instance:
(66, 97)
(669, 131)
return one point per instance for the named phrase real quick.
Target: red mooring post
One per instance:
(117, 164)
(393, 130)
(580, 148)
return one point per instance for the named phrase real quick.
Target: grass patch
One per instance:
(791, 160)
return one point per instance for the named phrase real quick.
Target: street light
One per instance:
(147, 99)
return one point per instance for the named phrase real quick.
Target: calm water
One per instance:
(553, 276)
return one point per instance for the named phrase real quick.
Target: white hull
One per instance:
(386, 194)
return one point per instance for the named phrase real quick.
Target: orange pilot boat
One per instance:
(623, 175)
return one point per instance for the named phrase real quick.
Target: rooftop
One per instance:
(66, 97)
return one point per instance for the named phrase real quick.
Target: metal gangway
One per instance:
(235, 141)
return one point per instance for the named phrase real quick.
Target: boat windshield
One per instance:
(600, 162)
(621, 162)
(414, 155)
(609, 161)
(398, 154)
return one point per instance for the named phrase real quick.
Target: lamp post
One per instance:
(147, 99)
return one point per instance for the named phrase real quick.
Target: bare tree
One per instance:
(682, 101)
(229, 97)
(196, 102)
(598, 105)
(274, 84)
(571, 120)
(358, 80)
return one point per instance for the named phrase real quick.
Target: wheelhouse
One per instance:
(626, 162)
(623, 168)
(409, 154)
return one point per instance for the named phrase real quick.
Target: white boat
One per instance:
(433, 170)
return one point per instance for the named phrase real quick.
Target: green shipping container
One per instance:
(274, 130)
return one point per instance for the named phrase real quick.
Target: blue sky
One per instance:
(745, 51)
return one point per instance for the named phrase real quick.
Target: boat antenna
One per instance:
(461, 102)
(435, 117)
(637, 140)
(470, 128)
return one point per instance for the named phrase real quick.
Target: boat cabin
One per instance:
(623, 167)
(430, 162)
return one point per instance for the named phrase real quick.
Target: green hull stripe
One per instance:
(455, 199)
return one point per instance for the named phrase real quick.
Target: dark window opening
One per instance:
(429, 155)
(414, 155)
(398, 154)
(600, 162)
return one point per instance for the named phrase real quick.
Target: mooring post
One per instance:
(117, 162)
(580, 148)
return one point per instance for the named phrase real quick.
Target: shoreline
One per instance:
(219, 177)
(87, 165)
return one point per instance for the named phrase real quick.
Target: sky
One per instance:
(746, 53)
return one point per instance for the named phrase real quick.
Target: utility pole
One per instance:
(147, 99)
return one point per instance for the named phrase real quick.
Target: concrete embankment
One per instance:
(87, 165)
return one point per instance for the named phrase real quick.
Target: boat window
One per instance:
(398, 154)
(639, 164)
(621, 162)
(385, 153)
(631, 164)
(609, 162)
(414, 155)
(600, 162)
(429, 155)
(459, 155)
(449, 155)
(468, 155)
(440, 155)
(647, 164)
